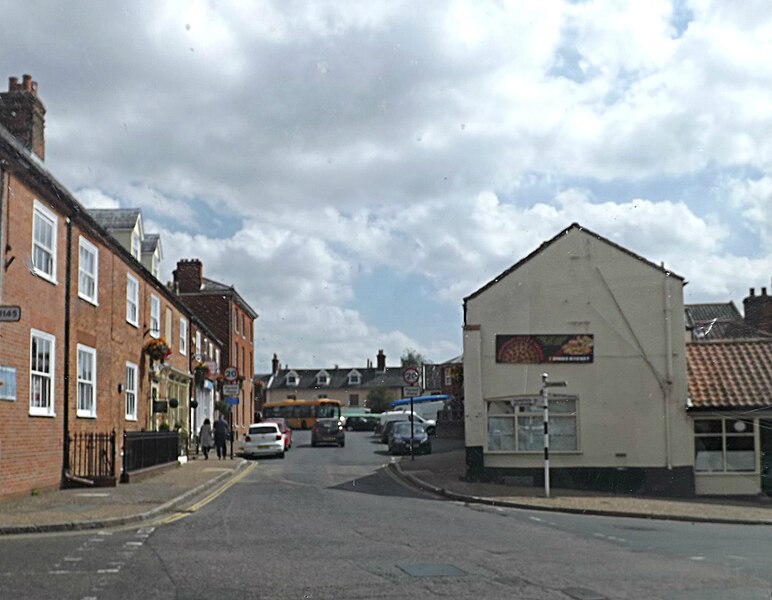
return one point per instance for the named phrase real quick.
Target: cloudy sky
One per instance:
(357, 168)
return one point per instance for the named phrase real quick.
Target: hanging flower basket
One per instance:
(157, 350)
(200, 373)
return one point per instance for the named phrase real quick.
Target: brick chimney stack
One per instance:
(381, 360)
(23, 114)
(275, 364)
(188, 275)
(758, 310)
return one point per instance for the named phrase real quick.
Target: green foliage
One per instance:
(378, 399)
(412, 358)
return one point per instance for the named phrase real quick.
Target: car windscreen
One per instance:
(403, 428)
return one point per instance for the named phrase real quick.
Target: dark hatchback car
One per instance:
(328, 431)
(400, 440)
(361, 423)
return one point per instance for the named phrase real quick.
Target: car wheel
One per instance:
(281, 455)
(341, 444)
(430, 431)
(349, 428)
(313, 444)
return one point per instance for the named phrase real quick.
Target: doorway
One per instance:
(765, 430)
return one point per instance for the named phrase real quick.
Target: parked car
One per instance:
(400, 439)
(264, 439)
(386, 431)
(328, 431)
(282, 423)
(361, 422)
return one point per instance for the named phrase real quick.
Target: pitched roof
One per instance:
(724, 311)
(729, 374)
(150, 242)
(369, 378)
(116, 219)
(209, 286)
(545, 245)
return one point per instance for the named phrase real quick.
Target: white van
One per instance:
(404, 415)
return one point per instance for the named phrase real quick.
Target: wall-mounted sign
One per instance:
(231, 389)
(544, 348)
(10, 313)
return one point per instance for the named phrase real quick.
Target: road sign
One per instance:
(231, 374)
(411, 391)
(411, 376)
(10, 313)
(232, 401)
(231, 389)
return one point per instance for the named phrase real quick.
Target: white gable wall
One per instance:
(579, 284)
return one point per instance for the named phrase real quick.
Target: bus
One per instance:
(302, 414)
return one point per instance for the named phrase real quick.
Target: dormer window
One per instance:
(292, 379)
(354, 378)
(322, 378)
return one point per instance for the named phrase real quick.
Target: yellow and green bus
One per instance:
(302, 414)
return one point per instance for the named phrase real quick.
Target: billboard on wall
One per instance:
(544, 348)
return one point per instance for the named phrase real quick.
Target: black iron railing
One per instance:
(92, 455)
(143, 449)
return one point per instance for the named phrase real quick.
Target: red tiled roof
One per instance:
(730, 374)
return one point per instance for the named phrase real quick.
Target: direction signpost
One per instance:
(545, 404)
(412, 378)
(231, 390)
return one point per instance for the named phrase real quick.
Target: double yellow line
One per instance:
(203, 502)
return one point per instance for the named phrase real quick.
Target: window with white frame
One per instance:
(131, 392)
(155, 266)
(354, 378)
(136, 245)
(292, 378)
(448, 371)
(155, 316)
(724, 445)
(198, 343)
(44, 242)
(132, 300)
(322, 378)
(516, 426)
(183, 336)
(41, 390)
(86, 406)
(210, 351)
(88, 264)
(235, 322)
(217, 358)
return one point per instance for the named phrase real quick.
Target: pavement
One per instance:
(440, 473)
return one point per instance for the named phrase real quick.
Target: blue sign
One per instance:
(231, 401)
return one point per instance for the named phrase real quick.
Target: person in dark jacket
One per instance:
(220, 437)
(205, 438)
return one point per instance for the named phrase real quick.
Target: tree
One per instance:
(378, 399)
(412, 358)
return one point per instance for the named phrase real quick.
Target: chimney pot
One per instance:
(13, 84)
(763, 291)
(27, 82)
(753, 291)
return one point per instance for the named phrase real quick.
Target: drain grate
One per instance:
(583, 594)
(431, 570)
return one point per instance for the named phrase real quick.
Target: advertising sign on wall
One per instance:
(544, 348)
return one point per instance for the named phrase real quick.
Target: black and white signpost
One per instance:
(412, 379)
(545, 405)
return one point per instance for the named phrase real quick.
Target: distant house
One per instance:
(231, 320)
(730, 403)
(349, 385)
(608, 323)
(718, 321)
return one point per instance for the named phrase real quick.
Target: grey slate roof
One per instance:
(724, 311)
(370, 378)
(150, 243)
(116, 219)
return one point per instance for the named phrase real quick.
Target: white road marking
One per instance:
(73, 558)
(133, 543)
(696, 558)
(537, 519)
(103, 571)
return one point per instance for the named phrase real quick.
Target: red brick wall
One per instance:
(30, 446)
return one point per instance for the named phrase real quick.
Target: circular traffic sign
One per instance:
(411, 376)
(231, 374)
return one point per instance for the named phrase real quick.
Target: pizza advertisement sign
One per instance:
(544, 348)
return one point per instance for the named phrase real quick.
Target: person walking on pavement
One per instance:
(205, 438)
(220, 437)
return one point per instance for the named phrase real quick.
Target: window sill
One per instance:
(49, 415)
(45, 276)
(132, 419)
(85, 415)
(92, 301)
(725, 473)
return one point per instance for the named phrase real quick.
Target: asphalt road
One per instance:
(328, 523)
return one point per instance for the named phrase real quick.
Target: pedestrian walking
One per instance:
(205, 438)
(220, 437)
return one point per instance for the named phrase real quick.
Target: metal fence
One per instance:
(92, 455)
(142, 449)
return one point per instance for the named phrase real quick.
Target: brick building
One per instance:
(230, 318)
(83, 309)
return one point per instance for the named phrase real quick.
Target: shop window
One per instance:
(516, 427)
(724, 445)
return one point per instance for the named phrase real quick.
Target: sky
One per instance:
(355, 169)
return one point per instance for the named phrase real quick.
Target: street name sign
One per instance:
(411, 391)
